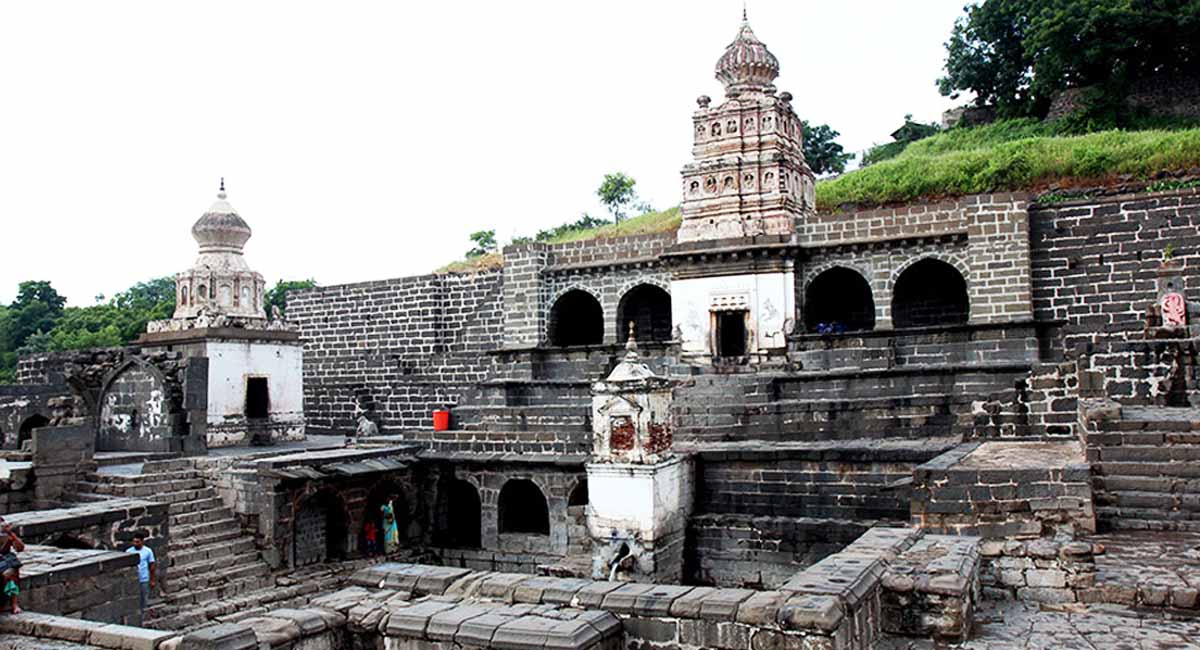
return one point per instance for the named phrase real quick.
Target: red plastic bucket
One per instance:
(441, 420)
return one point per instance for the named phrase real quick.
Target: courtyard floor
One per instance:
(1011, 625)
(1162, 567)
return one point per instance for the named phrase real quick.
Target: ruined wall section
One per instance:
(1094, 269)
(138, 400)
(395, 348)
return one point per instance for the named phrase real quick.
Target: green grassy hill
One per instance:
(1011, 155)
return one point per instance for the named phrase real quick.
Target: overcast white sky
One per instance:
(366, 140)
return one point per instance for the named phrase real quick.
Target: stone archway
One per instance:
(649, 308)
(35, 421)
(576, 319)
(929, 293)
(839, 299)
(523, 508)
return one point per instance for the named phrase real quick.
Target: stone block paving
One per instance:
(1012, 625)
(1148, 568)
(14, 642)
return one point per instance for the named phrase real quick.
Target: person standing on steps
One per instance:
(147, 574)
(391, 532)
(10, 564)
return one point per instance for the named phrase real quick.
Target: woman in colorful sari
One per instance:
(391, 532)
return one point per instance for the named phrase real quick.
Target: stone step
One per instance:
(200, 516)
(1147, 468)
(1184, 503)
(237, 608)
(194, 599)
(1143, 438)
(201, 541)
(216, 577)
(160, 491)
(184, 507)
(1146, 483)
(185, 495)
(203, 528)
(144, 477)
(170, 465)
(1113, 518)
(200, 573)
(235, 546)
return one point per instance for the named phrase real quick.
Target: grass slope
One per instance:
(1010, 155)
(665, 221)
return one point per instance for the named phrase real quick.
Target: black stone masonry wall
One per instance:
(1094, 269)
(397, 348)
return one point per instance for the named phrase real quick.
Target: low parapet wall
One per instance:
(835, 604)
(101, 525)
(95, 585)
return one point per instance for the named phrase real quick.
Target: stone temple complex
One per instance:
(971, 421)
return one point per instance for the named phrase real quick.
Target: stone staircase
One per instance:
(211, 562)
(1146, 469)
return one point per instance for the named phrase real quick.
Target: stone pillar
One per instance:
(524, 320)
(640, 493)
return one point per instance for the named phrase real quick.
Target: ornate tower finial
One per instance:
(221, 192)
(747, 65)
(744, 18)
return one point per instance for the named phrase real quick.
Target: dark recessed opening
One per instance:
(579, 495)
(731, 333)
(258, 398)
(523, 508)
(649, 308)
(930, 293)
(462, 515)
(839, 300)
(35, 421)
(576, 319)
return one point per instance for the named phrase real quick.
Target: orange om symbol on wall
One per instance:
(1174, 310)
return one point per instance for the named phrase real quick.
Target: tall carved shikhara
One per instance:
(748, 177)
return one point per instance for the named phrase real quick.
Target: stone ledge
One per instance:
(100, 635)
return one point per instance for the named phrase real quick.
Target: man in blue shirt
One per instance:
(146, 572)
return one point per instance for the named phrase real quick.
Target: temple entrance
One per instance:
(730, 333)
(258, 398)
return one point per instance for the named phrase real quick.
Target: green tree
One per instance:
(617, 192)
(142, 303)
(1017, 54)
(8, 356)
(823, 154)
(485, 242)
(37, 308)
(910, 131)
(277, 295)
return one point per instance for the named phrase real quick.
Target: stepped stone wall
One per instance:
(1094, 270)
(395, 348)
